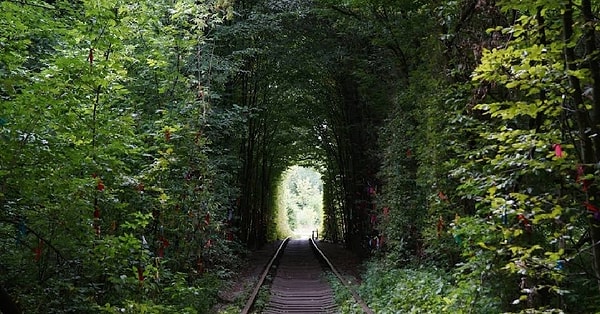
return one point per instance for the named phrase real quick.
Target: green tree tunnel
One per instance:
(143, 145)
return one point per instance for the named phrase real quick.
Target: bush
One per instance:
(420, 290)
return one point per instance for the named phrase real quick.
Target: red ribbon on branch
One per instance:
(38, 251)
(440, 226)
(558, 152)
(585, 183)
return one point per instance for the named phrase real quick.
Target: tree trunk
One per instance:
(590, 149)
(594, 67)
(7, 304)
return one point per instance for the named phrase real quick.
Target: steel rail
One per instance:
(356, 296)
(261, 280)
(295, 307)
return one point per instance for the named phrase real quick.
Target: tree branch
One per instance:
(346, 12)
(38, 235)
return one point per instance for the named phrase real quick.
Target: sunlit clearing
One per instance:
(303, 200)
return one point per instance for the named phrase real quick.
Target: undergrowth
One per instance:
(343, 297)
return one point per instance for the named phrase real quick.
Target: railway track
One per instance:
(298, 284)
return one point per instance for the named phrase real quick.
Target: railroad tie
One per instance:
(298, 285)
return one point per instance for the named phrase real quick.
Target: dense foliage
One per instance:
(489, 158)
(110, 201)
(142, 145)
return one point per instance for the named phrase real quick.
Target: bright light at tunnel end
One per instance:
(302, 201)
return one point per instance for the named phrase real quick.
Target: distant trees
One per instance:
(303, 198)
